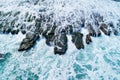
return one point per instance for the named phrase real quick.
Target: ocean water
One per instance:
(98, 61)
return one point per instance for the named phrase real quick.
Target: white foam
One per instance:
(103, 54)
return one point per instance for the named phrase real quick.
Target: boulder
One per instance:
(60, 43)
(50, 36)
(29, 41)
(77, 39)
(88, 39)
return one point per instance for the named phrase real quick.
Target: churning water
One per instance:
(98, 61)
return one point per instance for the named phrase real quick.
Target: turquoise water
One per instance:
(98, 61)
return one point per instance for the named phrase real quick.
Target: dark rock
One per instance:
(104, 29)
(69, 29)
(77, 39)
(40, 30)
(49, 29)
(15, 31)
(115, 32)
(28, 42)
(23, 31)
(38, 26)
(60, 44)
(96, 23)
(49, 39)
(91, 30)
(111, 25)
(82, 22)
(1, 55)
(37, 23)
(97, 17)
(7, 30)
(50, 36)
(45, 31)
(98, 33)
(88, 39)
(32, 36)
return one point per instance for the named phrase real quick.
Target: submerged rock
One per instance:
(28, 42)
(5, 56)
(1, 56)
(77, 39)
(115, 32)
(60, 44)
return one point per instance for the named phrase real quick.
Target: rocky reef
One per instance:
(45, 27)
(55, 29)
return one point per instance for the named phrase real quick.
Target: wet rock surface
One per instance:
(50, 36)
(60, 43)
(23, 31)
(7, 30)
(88, 39)
(77, 39)
(55, 32)
(15, 31)
(29, 41)
(69, 29)
(92, 31)
(104, 29)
